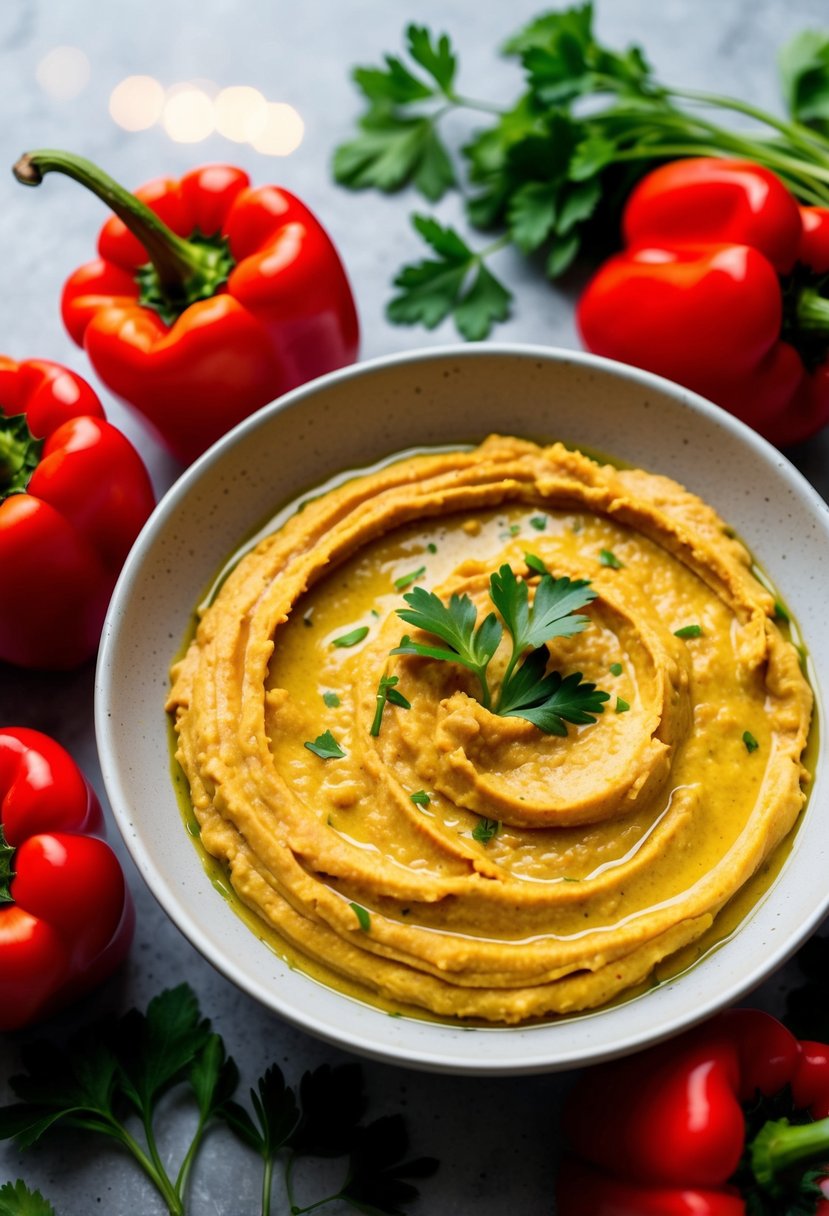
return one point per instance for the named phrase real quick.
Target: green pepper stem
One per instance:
(778, 1146)
(179, 264)
(812, 309)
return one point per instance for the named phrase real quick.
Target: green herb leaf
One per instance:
(610, 559)
(804, 72)
(277, 1115)
(392, 151)
(406, 580)
(780, 612)
(362, 916)
(331, 699)
(550, 700)
(531, 215)
(386, 691)
(539, 522)
(622, 706)
(433, 54)
(750, 742)
(352, 637)
(456, 626)
(326, 747)
(157, 1049)
(17, 1200)
(432, 547)
(485, 829)
(553, 612)
(689, 631)
(213, 1077)
(456, 284)
(535, 563)
(615, 669)
(420, 798)
(377, 1168)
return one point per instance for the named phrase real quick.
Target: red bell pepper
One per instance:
(209, 298)
(723, 287)
(66, 916)
(74, 494)
(720, 1122)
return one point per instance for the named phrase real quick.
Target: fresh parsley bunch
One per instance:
(551, 171)
(120, 1069)
(548, 700)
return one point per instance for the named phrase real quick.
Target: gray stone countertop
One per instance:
(497, 1138)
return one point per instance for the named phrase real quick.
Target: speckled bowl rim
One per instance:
(787, 915)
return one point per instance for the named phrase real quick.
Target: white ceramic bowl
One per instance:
(351, 419)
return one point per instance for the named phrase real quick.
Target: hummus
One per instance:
(532, 874)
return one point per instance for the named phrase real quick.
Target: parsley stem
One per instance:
(267, 1185)
(471, 103)
(162, 1179)
(803, 137)
(189, 1158)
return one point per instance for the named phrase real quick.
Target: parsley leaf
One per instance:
(17, 1200)
(420, 798)
(804, 72)
(456, 626)
(277, 1115)
(608, 558)
(377, 1169)
(622, 706)
(456, 283)
(615, 669)
(406, 580)
(331, 699)
(539, 522)
(551, 700)
(750, 742)
(547, 700)
(352, 637)
(395, 147)
(363, 916)
(485, 829)
(689, 631)
(326, 747)
(386, 691)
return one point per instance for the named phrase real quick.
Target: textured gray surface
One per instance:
(496, 1138)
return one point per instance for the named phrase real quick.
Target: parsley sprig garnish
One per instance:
(548, 700)
(551, 170)
(118, 1070)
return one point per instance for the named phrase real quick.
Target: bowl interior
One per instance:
(352, 419)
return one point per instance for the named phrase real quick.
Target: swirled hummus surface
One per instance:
(532, 874)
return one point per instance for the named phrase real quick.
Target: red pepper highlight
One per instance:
(724, 288)
(726, 1120)
(66, 917)
(209, 297)
(74, 494)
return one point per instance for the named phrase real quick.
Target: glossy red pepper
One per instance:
(209, 298)
(730, 1119)
(66, 916)
(74, 494)
(724, 288)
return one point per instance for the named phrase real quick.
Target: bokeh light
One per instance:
(282, 131)
(63, 72)
(241, 113)
(188, 115)
(136, 103)
(193, 110)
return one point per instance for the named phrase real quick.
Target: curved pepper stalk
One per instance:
(209, 298)
(66, 917)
